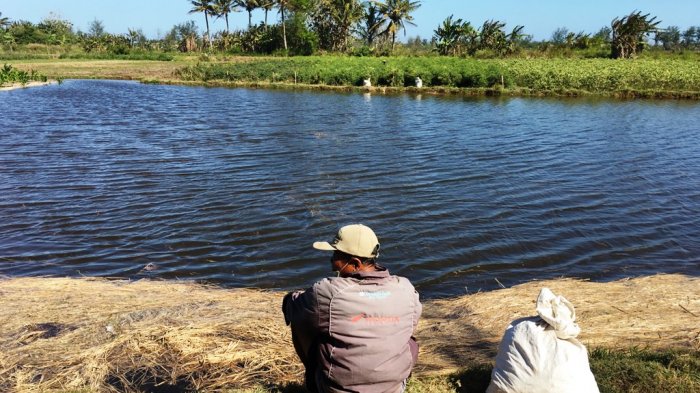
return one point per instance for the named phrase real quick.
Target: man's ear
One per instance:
(355, 262)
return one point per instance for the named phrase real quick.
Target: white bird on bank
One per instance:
(419, 82)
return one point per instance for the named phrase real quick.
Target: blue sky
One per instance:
(540, 18)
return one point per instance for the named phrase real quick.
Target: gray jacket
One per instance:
(356, 332)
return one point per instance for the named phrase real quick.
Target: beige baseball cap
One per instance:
(356, 239)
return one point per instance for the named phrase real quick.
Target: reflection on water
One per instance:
(233, 185)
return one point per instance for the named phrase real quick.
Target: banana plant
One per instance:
(492, 36)
(630, 32)
(453, 36)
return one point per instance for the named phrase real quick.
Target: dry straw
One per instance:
(62, 334)
(661, 311)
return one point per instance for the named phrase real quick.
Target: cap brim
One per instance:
(324, 246)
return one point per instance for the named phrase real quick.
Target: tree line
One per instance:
(349, 26)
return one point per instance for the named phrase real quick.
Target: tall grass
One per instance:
(577, 76)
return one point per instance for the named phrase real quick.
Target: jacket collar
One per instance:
(381, 272)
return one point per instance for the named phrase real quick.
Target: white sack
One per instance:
(559, 313)
(541, 354)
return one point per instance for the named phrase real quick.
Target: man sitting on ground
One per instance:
(354, 332)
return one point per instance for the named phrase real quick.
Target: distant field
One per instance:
(102, 69)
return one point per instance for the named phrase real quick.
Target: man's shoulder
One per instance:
(331, 282)
(335, 284)
(402, 280)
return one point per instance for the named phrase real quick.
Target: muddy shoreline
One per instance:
(16, 86)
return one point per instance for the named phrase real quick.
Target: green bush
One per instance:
(9, 75)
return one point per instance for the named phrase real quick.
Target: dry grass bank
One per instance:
(141, 70)
(103, 69)
(69, 334)
(661, 311)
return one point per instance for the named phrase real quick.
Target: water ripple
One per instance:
(233, 185)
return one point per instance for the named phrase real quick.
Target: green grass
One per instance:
(643, 371)
(639, 77)
(616, 371)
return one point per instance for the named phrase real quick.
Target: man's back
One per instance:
(354, 332)
(370, 323)
(363, 326)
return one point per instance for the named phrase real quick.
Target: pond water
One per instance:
(101, 178)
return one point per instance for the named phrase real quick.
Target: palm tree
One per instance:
(371, 23)
(4, 22)
(249, 6)
(267, 6)
(689, 36)
(223, 8)
(136, 37)
(284, 6)
(397, 13)
(207, 8)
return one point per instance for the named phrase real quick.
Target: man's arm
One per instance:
(417, 311)
(299, 306)
(301, 312)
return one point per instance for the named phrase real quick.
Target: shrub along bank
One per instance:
(640, 77)
(10, 75)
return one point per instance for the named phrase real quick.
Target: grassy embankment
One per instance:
(644, 77)
(85, 335)
(651, 78)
